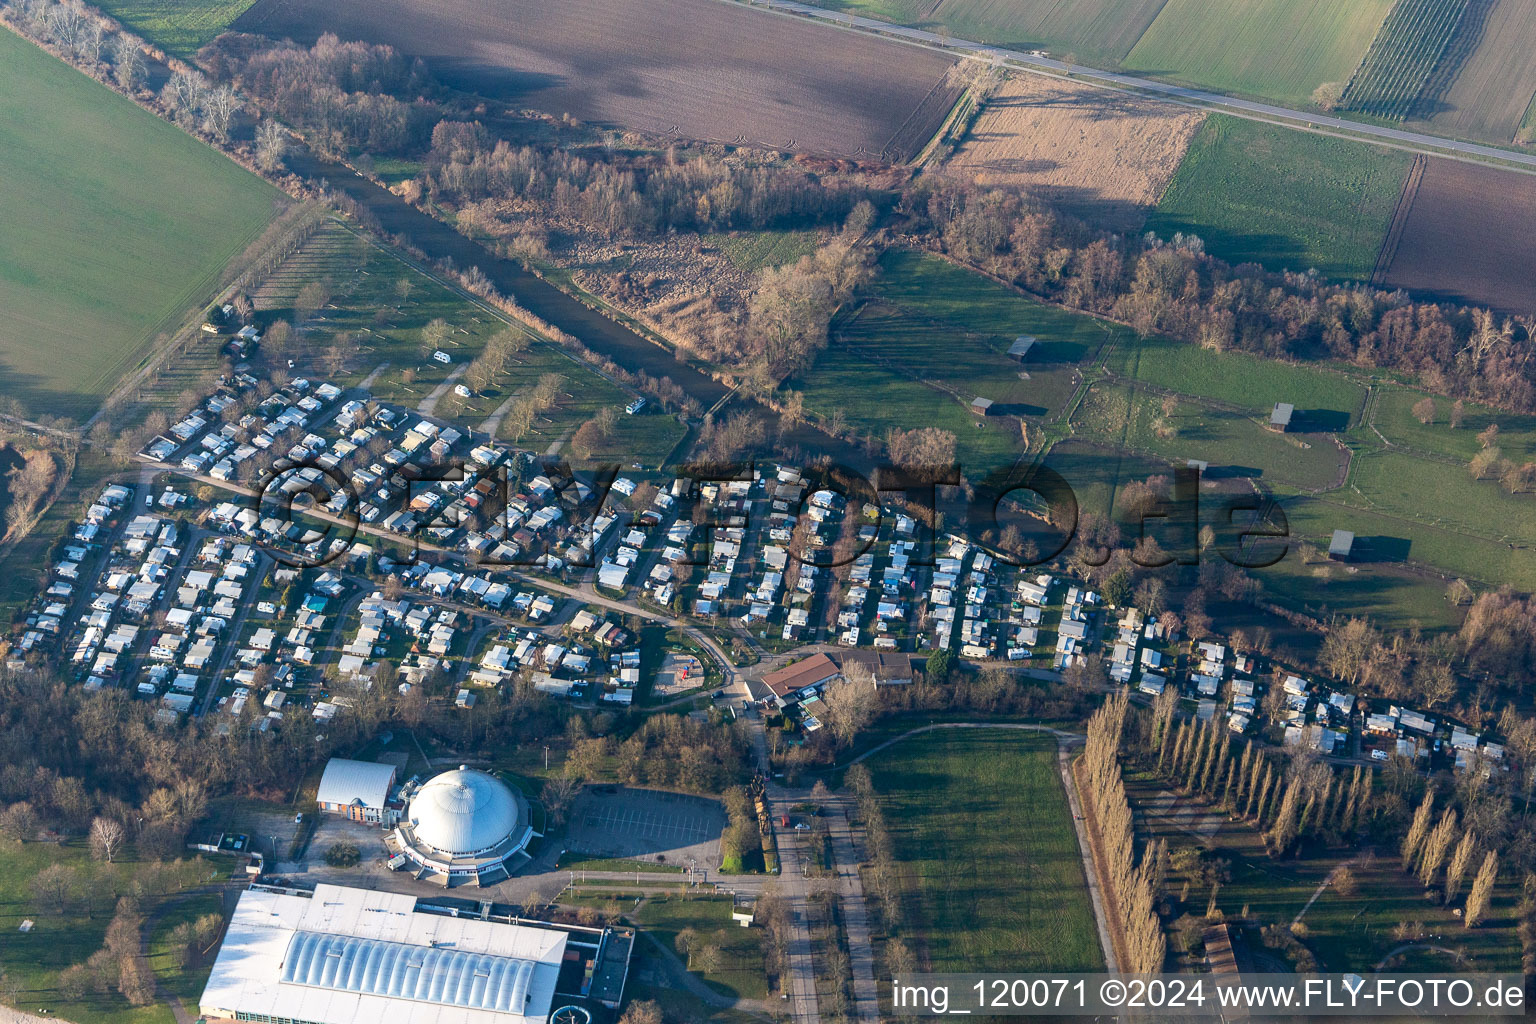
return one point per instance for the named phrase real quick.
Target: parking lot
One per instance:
(616, 821)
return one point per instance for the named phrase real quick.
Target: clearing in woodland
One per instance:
(97, 255)
(1103, 155)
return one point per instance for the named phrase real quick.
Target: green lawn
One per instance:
(99, 254)
(740, 972)
(1240, 379)
(1285, 199)
(33, 960)
(1229, 441)
(1277, 49)
(186, 984)
(934, 336)
(180, 27)
(988, 853)
(1394, 418)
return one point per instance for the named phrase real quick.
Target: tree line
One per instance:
(1175, 288)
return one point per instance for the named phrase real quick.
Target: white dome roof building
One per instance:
(461, 829)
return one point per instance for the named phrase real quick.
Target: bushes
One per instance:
(343, 854)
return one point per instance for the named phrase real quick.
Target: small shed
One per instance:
(1019, 350)
(981, 406)
(1280, 419)
(1341, 546)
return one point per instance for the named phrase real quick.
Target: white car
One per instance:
(1378, 755)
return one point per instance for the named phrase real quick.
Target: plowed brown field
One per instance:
(1465, 235)
(1107, 156)
(696, 69)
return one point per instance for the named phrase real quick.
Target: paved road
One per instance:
(1399, 138)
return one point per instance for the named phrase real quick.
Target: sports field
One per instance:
(180, 27)
(115, 225)
(1276, 49)
(992, 872)
(1258, 193)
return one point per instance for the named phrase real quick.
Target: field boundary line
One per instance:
(1406, 198)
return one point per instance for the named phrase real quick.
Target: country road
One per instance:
(1020, 60)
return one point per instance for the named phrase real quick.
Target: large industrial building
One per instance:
(462, 828)
(353, 956)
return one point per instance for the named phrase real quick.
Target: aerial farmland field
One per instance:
(1496, 82)
(1410, 44)
(1462, 236)
(1097, 30)
(1284, 199)
(180, 27)
(689, 68)
(1277, 49)
(1105, 156)
(97, 255)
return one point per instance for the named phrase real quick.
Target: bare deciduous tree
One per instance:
(107, 835)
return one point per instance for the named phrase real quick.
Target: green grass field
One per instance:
(1229, 441)
(1097, 30)
(33, 960)
(740, 972)
(1240, 379)
(1276, 49)
(180, 27)
(1393, 416)
(1285, 199)
(993, 875)
(98, 253)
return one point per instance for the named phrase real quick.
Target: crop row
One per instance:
(1401, 58)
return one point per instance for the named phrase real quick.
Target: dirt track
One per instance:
(1105, 155)
(691, 68)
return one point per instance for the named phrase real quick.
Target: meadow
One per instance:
(1097, 30)
(1240, 379)
(990, 864)
(752, 251)
(179, 27)
(98, 256)
(740, 970)
(1276, 49)
(1235, 444)
(1392, 414)
(32, 961)
(1284, 199)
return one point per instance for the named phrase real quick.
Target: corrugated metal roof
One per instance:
(346, 782)
(428, 974)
